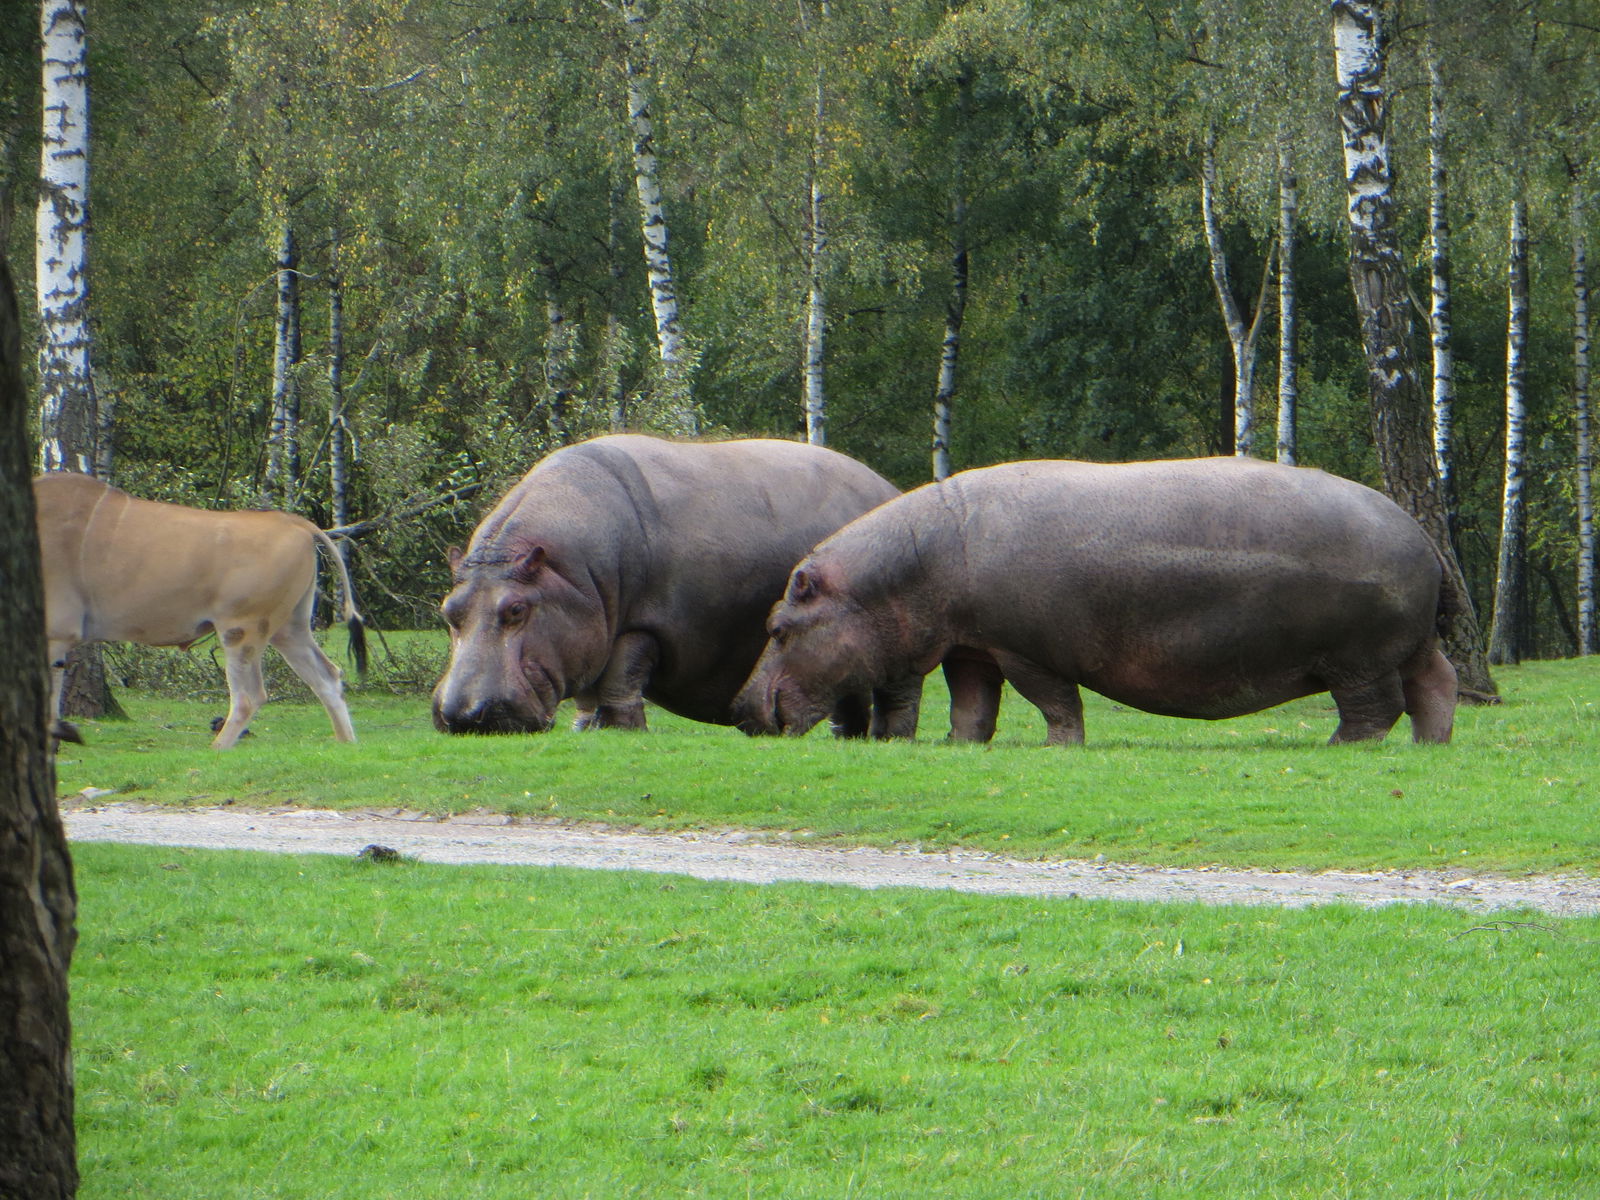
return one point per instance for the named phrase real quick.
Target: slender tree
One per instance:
(68, 418)
(338, 422)
(1444, 372)
(1288, 294)
(1505, 632)
(679, 413)
(38, 902)
(283, 430)
(816, 406)
(1588, 627)
(1400, 413)
(1243, 337)
(955, 309)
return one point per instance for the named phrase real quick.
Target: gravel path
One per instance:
(751, 858)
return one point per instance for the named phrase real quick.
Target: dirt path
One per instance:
(750, 858)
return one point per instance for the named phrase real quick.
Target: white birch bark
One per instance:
(558, 360)
(1401, 424)
(1444, 372)
(816, 405)
(282, 433)
(338, 423)
(679, 412)
(1242, 338)
(1505, 642)
(1288, 316)
(1588, 628)
(66, 387)
(956, 305)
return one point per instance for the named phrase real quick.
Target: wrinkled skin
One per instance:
(629, 568)
(1204, 588)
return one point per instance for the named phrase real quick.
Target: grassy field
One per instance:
(255, 1026)
(1511, 794)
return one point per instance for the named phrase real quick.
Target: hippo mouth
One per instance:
(532, 712)
(781, 710)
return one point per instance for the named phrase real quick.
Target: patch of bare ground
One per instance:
(746, 857)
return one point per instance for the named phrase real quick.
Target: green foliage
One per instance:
(475, 163)
(249, 1025)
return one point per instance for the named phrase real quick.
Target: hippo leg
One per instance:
(974, 682)
(1057, 698)
(585, 718)
(851, 717)
(619, 694)
(895, 709)
(1368, 712)
(1430, 693)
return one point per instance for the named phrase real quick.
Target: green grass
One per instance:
(1511, 794)
(257, 1026)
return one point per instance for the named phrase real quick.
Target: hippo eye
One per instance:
(514, 613)
(779, 631)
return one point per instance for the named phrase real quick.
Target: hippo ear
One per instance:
(455, 556)
(807, 583)
(528, 565)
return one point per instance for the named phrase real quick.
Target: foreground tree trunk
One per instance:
(1588, 630)
(1400, 413)
(679, 413)
(1510, 580)
(38, 902)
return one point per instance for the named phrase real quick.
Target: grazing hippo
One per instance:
(1198, 588)
(629, 568)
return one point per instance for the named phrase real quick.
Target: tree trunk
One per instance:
(817, 261)
(338, 422)
(68, 420)
(1505, 641)
(614, 357)
(1400, 414)
(678, 411)
(955, 309)
(1588, 631)
(283, 433)
(1444, 370)
(1241, 338)
(1288, 317)
(558, 356)
(38, 902)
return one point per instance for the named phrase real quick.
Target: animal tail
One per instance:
(352, 618)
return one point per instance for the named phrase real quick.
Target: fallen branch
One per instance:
(413, 508)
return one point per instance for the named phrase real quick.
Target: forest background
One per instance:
(372, 260)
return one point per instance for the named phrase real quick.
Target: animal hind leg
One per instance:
(1430, 693)
(1056, 698)
(1367, 712)
(301, 652)
(247, 691)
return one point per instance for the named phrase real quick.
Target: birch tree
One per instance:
(1588, 627)
(1400, 416)
(1444, 373)
(955, 310)
(816, 407)
(281, 480)
(679, 413)
(38, 903)
(1288, 293)
(67, 408)
(1505, 632)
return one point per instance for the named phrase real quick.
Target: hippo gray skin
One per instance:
(1196, 588)
(629, 568)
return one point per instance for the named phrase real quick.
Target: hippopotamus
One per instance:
(1203, 588)
(628, 568)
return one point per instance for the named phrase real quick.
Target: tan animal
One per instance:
(121, 569)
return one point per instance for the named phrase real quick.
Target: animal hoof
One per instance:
(218, 722)
(66, 731)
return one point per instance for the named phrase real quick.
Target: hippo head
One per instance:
(822, 645)
(523, 637)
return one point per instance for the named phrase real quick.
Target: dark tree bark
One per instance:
(38, 904)
(1401, 411)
